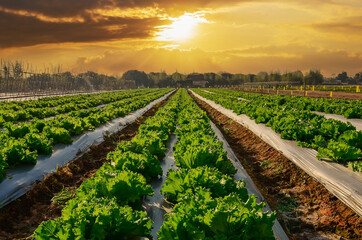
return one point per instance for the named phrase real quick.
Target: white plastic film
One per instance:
(20, 179)
(338, 179)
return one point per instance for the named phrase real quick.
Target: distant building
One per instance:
(199, 83)
(197, 80)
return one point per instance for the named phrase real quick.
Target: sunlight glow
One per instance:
(182, 28)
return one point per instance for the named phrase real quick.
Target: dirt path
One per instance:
(304, 207)
(20, 218)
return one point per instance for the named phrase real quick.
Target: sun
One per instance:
(181, 29)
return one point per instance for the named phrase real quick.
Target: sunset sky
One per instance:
(111, 36)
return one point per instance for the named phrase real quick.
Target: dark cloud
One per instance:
(67, 8)
(56, 8)
(27, 23)
(19, 30)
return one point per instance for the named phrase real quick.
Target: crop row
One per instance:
(108, 205)
(347, 108)
(332, 139)
(353, 89)
(22, 142)
(49, 101)
(42, 108)
(210, 204)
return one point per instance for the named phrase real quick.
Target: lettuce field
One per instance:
(239, 166)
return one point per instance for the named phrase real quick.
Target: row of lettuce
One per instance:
(108, 206)
(209, 204)
(15, 111)
(333, 139)
(23, 142)
(347, 108)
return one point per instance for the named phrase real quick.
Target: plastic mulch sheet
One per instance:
(355, 122)
(338, 179)
(250, 186)
(19, 180)
(156, 206)
(238, 98)
(35, 96)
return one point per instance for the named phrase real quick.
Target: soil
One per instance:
(305, 208)
(20, 218)
(314, 94)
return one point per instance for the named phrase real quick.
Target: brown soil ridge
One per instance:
(313, 94)
(305, 208)
(20, 218)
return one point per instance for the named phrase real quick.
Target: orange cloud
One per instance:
(139, 13)
(344, 26)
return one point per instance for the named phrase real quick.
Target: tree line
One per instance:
(16, 77)
(313, 77)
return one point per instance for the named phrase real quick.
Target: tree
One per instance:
(275, 77)
(177, 78)
(252, 77)
(210, 78)
(226, 76)
(358, 77)
(262, 77)
(343, 77)
(293, 77)
(140, 78)
(237, 79)
(314, 77)
(17, 70)
(297, 77)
